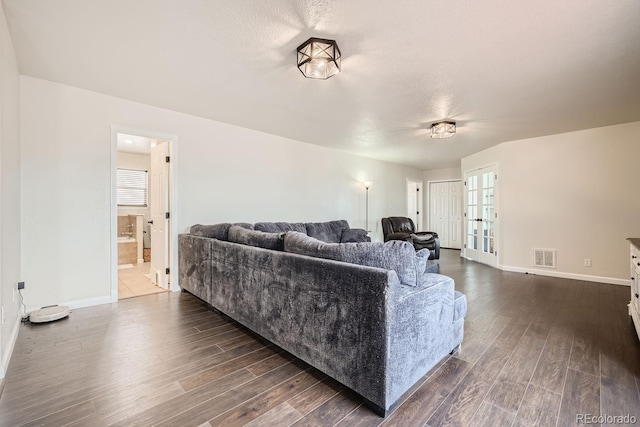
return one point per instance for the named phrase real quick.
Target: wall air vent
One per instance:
(545, 258)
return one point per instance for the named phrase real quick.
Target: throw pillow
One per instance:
(394, 255)
(329, 232)
(215, 231)
(279, 227)
(354, 235)
(422, 256)
(274, 241)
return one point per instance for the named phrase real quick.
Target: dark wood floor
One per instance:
(537, 351)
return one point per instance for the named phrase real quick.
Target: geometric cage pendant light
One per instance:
(319, 58)
(443, 129)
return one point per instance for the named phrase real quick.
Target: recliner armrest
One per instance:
(433, 233)
(398, 236)
(423, 236)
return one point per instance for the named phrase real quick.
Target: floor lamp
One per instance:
(367, 184)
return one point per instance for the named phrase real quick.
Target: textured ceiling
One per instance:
(503, 70)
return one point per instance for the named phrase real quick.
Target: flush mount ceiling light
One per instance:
(443, 129)
(319, 58)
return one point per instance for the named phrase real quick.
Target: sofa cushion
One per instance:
(256, 238)
(395, 255)
(279, 227)
(245, 225)
(215, 231)
(354, 235)
(329, 232)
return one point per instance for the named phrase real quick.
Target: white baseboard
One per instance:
(6, 356)
(88, 302)
(81, 303)
(575, 276)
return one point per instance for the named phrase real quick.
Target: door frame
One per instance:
(419, 201)
(496, 206)
(173, 198)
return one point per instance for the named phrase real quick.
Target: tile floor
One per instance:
(133, 282)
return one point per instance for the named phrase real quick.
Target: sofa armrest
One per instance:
(428, 280)
(195, 265)
(421, 330)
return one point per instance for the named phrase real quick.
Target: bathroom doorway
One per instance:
(142, 194)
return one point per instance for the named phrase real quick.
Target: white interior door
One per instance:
(455, 214)
(159, 204)
(445, 212)
(439, 211)
(481, 217)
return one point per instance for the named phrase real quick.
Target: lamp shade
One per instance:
(443, 130)
(319, 58)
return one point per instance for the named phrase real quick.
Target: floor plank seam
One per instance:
(426, 377)
(530, 377)
(600, 370)
(265, 392)
(205, 401)
(564, 382)
(435, 410)
(484, 398)
(343, 418)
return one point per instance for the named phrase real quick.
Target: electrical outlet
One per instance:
(587, 262)
(20, 285)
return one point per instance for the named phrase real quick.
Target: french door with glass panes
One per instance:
(480, 216)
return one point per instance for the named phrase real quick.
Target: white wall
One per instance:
(447, 174)
(576, 192)
(9, 194)
(224, 173)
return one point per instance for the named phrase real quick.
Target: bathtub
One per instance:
(127, 250)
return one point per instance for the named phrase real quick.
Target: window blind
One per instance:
(132, 187)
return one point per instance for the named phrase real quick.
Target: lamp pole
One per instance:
(367, 184)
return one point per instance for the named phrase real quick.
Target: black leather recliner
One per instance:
(402, 228)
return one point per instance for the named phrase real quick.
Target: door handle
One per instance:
(150, 222)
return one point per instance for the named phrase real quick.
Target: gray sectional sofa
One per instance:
(366, 314)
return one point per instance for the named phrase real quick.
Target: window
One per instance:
(132, 187)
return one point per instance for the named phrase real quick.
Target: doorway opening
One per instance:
(141, 214)
(414, 202)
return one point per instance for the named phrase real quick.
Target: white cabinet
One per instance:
(634, 305)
